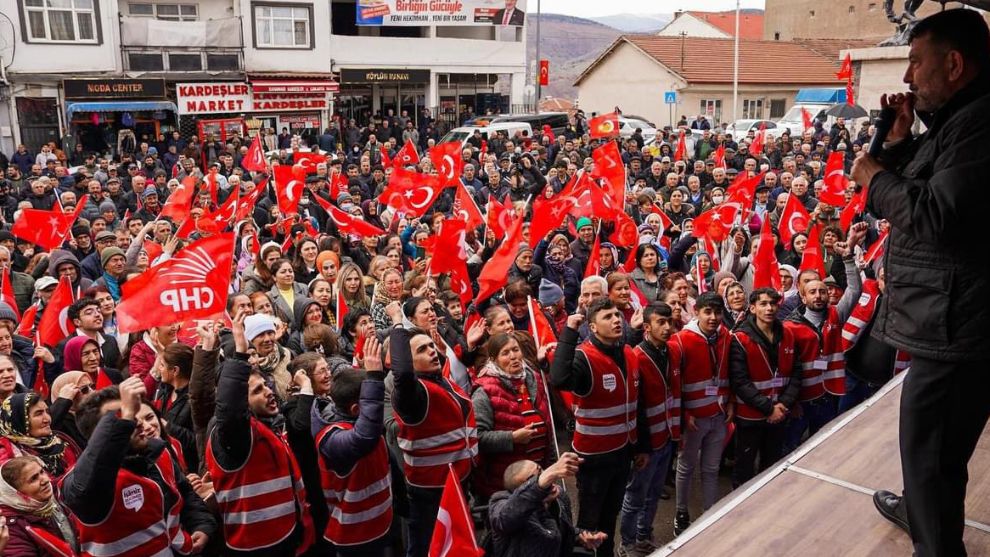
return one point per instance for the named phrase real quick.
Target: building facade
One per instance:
(786, 20)
(87, 71)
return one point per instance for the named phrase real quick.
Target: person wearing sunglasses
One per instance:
(67, 392)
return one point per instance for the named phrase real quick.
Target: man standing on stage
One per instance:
(931, 188)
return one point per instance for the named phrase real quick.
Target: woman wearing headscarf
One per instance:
(68, 390)
(702, 262)
(328, 264)
(609, 259)
(27, 500)
(736, 305)
(556, 270)
(26, 428)
(512, 412)
(388, 290)
(307, 312)
(83, 354)
(259, 277)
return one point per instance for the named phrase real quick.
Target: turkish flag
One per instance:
(386, 160)
(448, 255)
(743, 190)
(594, 265)
(756, 148)
(305, 163)
(246, 205)
(51, 543)
(544, 73)
(495, 273)
(179, 202)
(410, 192)
(348, 223)
(466, 209)
(609, 167)
(7, 292)
(254, 159)
(681, 153)
(539, 325)
(342, 310)
(26, 326)
(834, 192)
(793, 219)
(407, 156)
(55, 323)
(700, 276)
(716, 223)
(500, 215)
(846, 71)
(548, 214)
(288, 189)
(766, 272)
(447, 161)
(638, 298)
(338, 185)
(482, 152)
(212, 183)
(606, 125)
(812, 257)
(850, 94)
(876, 250)
(47, 229)
(665, 222)
(453, 533)
(806, 119)
(40, 382)
(855, 207)
(720, 156)
(626, 233)
(192, 284)
(630, 263)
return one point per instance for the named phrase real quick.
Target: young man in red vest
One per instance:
(699, 359)
(817, 326)
(603, 374)
(354, 465)
(662, 411)
(127, 493)
(436, 429)
(765, 376)
(257, 480)
(869, 362)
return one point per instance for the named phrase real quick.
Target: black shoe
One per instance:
(892, 508)
(681, 522)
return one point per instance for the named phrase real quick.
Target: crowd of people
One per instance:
(291, 427)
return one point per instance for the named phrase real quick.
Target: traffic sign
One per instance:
(670, 97)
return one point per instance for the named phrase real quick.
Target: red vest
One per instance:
(261, 502)
(770, 382)
(823, 359)
(513, 410)
(700, 373)
(861, 315)
(663, 410)
(606, 416)
(360, 502)
(445, 436)
(138, 524)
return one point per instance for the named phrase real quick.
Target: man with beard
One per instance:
(127, 490)
(257, 480)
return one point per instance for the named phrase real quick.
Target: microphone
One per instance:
(883, 124)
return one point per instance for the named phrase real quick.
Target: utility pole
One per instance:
(539, 16)
(735, 68)
(683, 35)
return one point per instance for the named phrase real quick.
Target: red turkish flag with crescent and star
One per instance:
(192, 284)
(47, 229)
(544, 72)
(495, 273)
(179, 203)
(305, 163)
(793, 219)
(609, 167)
(448, 162)
(606, 125)
(254, 159)
(288, 189)
(410, 192)
(548, 214)
(500, 215)
(812, 258)
(716, 223)
(55, 324)
(834, 192)
(453, 533)
(466, 208)
(766, 271)
(348, 223)
(407, 156)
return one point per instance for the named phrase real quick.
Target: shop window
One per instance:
(74, 21)
(222, 62)
(283, 26)
(185, 62)
(145, 61)
(168, 12)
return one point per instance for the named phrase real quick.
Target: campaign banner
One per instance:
(413, 13)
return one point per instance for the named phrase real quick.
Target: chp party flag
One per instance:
(453, 533)
(606, 125)
(192, 284)
(846, 71)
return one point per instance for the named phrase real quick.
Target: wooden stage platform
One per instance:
(818, 501)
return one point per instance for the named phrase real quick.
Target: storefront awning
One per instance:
(291, 86)
(118, 106)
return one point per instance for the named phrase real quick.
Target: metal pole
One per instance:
(539, 16)
(735, 68)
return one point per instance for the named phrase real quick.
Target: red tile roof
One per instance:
(830, 48)
(710, 60)
(750, 23)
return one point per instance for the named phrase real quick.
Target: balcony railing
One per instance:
(154, 45)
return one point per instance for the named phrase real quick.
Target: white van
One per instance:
(510, 128)
(816, 102)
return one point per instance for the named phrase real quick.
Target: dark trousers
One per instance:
(756, 438)
(815, 414)
(601, 484)
(372, 549)
(423, 506)
(944, 408)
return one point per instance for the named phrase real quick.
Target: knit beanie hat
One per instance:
(107, 207)
(106, 254)
(582, 222)
(7, 313)
(256, 324)
(550, 293)
(523, 248)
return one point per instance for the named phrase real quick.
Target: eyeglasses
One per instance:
(86, 389)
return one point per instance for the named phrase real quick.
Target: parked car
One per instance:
(740, 128)
(628, 126)
(462, 133)
(556, 120)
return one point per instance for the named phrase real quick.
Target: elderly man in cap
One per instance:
(114, 263)
(92, 266)
(149, 211)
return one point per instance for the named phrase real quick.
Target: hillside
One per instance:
(570, 43)
(635, 23)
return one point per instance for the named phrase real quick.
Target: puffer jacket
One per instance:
(932, 193)
(61, 256)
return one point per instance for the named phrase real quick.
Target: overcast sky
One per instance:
(592, 8)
